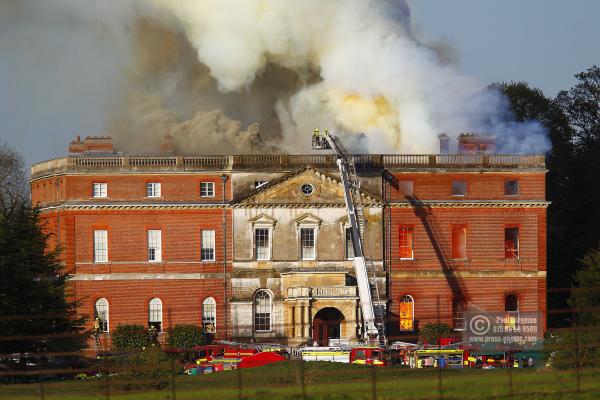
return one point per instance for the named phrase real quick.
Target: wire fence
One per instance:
(568, 366)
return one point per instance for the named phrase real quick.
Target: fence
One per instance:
(158, 375)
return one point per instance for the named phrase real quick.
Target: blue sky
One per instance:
(50, 95)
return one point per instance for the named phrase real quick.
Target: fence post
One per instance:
(42, 390)
(439, 380)
(302, 383)
(173, 391)
(373, 382)
(107, 379)
(239, 382)
(510, 378)
(576, 347)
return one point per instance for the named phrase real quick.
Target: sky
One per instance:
(543, 42)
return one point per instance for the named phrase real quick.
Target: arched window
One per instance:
(458, 314)
(262, 311)
(511, 303)
(407, 313)
(101, 314)
(209, 314)
(155, 314)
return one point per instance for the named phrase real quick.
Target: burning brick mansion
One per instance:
(257, 247)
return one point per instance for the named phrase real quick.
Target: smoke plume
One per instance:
(251, 76)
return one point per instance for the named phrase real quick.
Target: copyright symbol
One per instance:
(479, 325)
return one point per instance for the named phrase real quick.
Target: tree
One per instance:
(131, 337)
(35, 314)
(431, 333)
(577, 346)
(184, 336)
(13, 179)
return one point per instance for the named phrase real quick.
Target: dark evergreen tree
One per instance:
(35, 314)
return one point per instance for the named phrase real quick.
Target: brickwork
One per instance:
(182, 280)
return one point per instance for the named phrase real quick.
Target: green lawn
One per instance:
(329, 381)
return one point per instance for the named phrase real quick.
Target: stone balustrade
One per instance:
(281, 161)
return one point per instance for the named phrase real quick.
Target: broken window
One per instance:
(511, 243)
(511, 187)
(459, 242)
(458, 314)
(101, 314)
(209, 314)
(407, 313)
(459, 188)
(406, 243)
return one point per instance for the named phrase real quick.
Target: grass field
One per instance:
(327, 381)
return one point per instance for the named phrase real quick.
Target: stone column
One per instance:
(307, 321)
(299, 326)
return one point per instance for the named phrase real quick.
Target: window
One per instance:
(405, 188)
(307, 243)
(209, 314)
(459, 242)
(511, 243)
(511, 309)
(207, 251)
(458, 314)
(258, 184)
(155, 314)
(100, 246)
(511, 187)
(407, 313)
(511, 303)
(349, 245)
(459, 188)
(99, 190)
(154, 246)
(307, 189)
(406, 243)
(262, 311)
(207, 189)
(262, 248)
(153, 189)
(101, 314)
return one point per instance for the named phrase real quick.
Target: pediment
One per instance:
(308, 219)
(263, 219)
(304, 188)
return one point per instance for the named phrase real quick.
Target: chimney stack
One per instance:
(444, 143)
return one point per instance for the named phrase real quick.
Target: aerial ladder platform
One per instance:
(368, 290)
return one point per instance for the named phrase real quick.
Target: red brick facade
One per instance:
(181, 280)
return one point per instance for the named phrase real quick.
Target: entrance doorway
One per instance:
(327, 325)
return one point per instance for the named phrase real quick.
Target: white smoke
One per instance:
(375, 77)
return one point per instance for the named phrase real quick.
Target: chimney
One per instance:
(444, 143)
(475, 143)
(92, 145)
(167, 145)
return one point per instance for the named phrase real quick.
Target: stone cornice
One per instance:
(471, 204)
(131, 206)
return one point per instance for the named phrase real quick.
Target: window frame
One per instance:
(516, 250)
(214, 245)
(458, 317)
(158, 311)
(103, 325)
(466, 254)
(96, 248)
(158, 248)
(151, 190)
(209, 305)
(255, 316)
(410, 229)
(269, 247)
(412, 319)
(314, 241)
(464, 187)
(349, 245)
(506, 186)
(102, 191)
(209, 193)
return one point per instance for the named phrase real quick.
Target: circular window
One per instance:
(307, 189)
